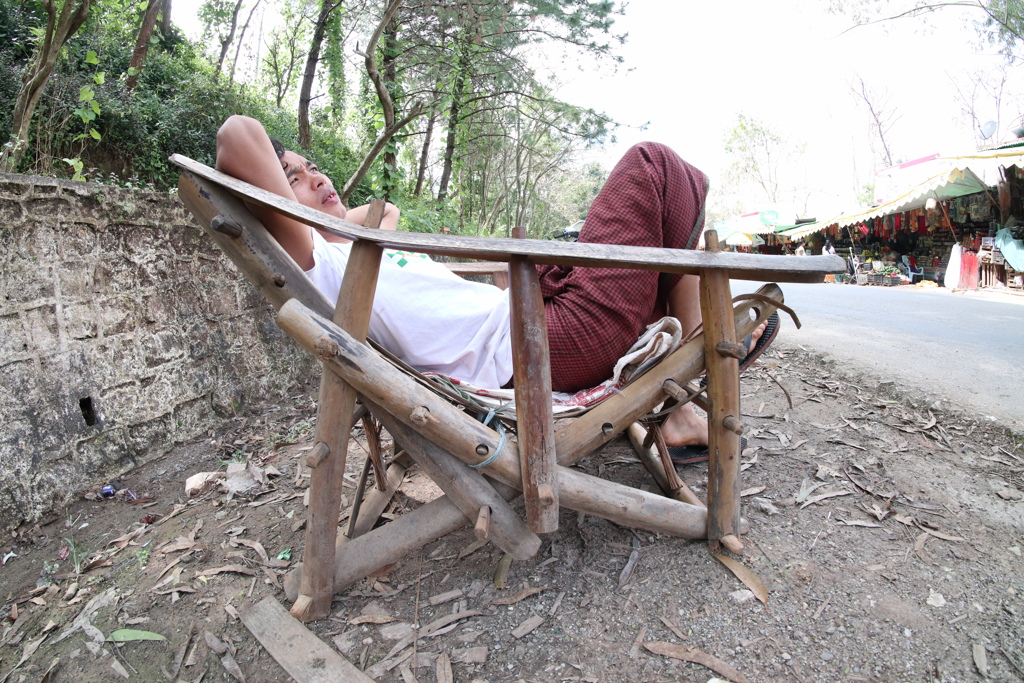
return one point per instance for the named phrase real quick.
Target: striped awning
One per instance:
(956, 180)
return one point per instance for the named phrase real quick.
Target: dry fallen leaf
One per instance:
(214, 643)
(692, 654)
(236, 568)
(255, 545)
(444, 669)
(180, 543)
(231, 666)
(372, 619)
(521, 595)
(859, 522)
(817, 499)
(936, 600)
(749, 578)
(527, 626)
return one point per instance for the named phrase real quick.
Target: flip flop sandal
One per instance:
(687, 455)
(771, 331)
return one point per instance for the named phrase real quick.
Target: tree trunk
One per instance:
(226, 43)
(449, 148)
(312, 58)
(165, 18)
(424, 155)
(142, 44)
(59, 28)
(241, 39)
(390, 77)
(391, 126)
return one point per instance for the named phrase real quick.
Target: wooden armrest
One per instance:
(684, 261)
(478, 268)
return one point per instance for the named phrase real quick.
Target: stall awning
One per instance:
(795, 232)
(956, 181)
(742, 239)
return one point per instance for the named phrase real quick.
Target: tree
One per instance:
(881, 118)
(983, 96)
(63, 19)
(757, 152)
(999, 22)
(241, 40)
(324, 18)
(391, 124)
(149, 18)
(284, 51)
(221, 20)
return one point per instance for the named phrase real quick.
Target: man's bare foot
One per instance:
(683, 427)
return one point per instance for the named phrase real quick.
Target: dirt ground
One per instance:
(886, 530)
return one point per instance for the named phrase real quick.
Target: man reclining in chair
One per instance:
(438, 322)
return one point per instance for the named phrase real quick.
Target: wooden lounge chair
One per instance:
(451, 445)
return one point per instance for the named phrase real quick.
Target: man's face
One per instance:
(311, 187)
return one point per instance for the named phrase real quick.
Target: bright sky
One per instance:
(696, 66)
(692, 67)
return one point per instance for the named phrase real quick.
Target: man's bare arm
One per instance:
(244, 151)
(358, 214)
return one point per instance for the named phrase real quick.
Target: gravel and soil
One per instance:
(886, 529)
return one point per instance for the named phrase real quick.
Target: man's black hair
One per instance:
(278, 147)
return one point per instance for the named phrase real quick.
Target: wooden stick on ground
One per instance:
(304, 656)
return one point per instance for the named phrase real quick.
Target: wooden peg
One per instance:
(732, 350)
(317, 455)
(733, 425)
(483, 523)
(682, 394)
(673, 389)
(732, 543)
(421, 415)
(226, 226)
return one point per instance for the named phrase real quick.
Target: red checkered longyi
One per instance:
(652, 199)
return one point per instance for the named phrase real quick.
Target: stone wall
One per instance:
(122, 333)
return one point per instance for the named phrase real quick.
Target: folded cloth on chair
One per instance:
(658, 340)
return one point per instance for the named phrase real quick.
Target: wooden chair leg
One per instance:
(334, 421)
(532, 376)
(723, 405)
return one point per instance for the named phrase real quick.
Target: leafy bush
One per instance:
(176, 107)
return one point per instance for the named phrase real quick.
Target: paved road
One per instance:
(968, 348)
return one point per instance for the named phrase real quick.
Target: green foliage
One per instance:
(422, 214)
(464, 61)
(17, 21)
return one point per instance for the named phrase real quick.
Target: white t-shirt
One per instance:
(426, 315)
